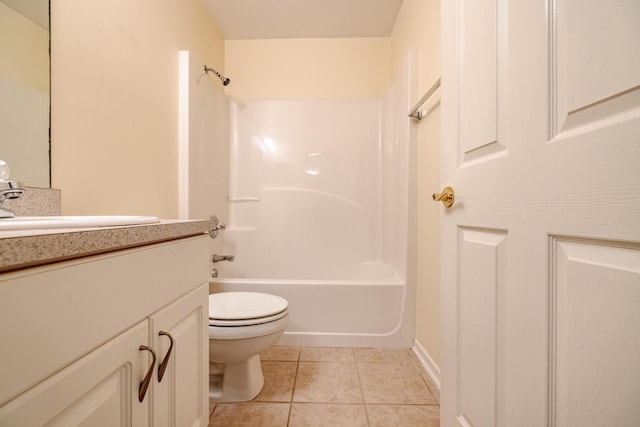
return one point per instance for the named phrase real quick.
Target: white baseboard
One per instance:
(427, 363)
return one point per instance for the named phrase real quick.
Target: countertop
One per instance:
(28, 248)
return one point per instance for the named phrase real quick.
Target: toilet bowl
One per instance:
(241, 326)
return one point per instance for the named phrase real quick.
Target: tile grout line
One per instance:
(293, 389)
(364, 400)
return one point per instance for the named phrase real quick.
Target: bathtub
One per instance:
(369, 311)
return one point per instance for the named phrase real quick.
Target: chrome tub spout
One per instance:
(217, 258)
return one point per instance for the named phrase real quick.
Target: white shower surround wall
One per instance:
(203, 148)
(304, 187)
(319, 214)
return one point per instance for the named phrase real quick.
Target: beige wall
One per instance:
(308, 68)
(418, 26)
(115, 100)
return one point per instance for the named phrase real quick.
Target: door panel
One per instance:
(481, 324)
(478, 80)
(595, 339)
(597, 64)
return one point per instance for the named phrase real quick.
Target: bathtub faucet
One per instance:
(217, 258)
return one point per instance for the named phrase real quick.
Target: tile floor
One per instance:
(350, 387)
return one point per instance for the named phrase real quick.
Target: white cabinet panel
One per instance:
(99, 390)
(181, 397)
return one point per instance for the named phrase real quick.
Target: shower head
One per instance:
(225, 80)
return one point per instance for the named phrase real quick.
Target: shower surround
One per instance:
(318, 215)
(304, 188)
(318, 207)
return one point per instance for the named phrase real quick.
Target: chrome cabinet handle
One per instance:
(163, 365)
(144, 385)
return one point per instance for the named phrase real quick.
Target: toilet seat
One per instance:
(247, 322)
(229, 309)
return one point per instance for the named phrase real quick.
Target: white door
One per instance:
(541, 249)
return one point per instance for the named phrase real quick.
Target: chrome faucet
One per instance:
(217, 258)
(8, 189)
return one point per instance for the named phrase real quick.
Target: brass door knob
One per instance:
(446, 197)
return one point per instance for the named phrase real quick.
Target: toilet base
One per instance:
(239, 381)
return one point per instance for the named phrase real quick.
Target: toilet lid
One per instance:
(245, 305)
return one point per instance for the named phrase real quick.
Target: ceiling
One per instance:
(272, 19)
(35, 10)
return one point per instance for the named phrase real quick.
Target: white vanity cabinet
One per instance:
(76, 339)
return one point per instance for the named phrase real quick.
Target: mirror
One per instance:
(24, 90)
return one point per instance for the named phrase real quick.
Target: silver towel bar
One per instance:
(416, 112)
(243, 198)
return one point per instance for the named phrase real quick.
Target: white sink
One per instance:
(46, 222)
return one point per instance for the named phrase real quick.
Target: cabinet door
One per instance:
(98, 390)
(181, 397)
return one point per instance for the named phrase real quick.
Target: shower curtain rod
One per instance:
(416, 112)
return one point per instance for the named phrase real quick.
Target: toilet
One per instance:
(241, 326)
